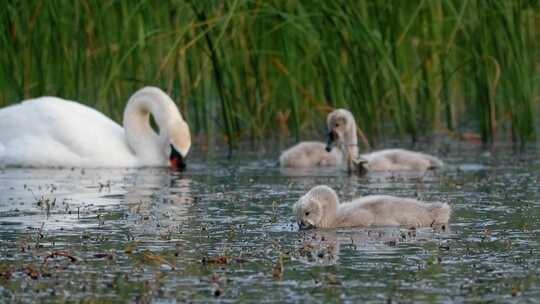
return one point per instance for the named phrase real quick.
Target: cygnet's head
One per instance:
(316, 208)
(339, 123)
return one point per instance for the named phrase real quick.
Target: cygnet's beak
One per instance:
(304, 226)
(176, 160)
(331, 142)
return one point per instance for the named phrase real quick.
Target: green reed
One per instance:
(406, 68)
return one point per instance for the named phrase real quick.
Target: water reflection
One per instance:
(238, 214)
(52, 198)
(322, 246)
(158, 204)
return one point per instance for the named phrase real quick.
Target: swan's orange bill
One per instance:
(174, 164)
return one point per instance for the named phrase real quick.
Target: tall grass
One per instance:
(406, 68)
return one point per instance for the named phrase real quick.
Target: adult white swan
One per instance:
(52, 132)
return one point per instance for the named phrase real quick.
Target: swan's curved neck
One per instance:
(146, 144)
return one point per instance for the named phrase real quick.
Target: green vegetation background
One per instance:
(247, 69)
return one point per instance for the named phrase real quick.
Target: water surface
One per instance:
(223, 231)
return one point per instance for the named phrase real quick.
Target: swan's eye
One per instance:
(307, 213)
(337, 125)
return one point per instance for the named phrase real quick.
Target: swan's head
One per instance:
(170, 142)
(180, 142)
(339, 123)
(316, 208)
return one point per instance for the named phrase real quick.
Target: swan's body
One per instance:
(52, 132)
(309, 154)
(320, 208)
(342, 135)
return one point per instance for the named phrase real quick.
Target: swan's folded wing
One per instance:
(50, 131)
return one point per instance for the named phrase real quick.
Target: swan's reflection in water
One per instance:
(158, 204)
(143, 200)
(323, 246)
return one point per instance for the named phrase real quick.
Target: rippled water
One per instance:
(218, 232)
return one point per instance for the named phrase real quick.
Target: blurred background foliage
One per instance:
(250, 69)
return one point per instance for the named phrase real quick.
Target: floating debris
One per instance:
(150, 257)
(131, 247)
(222, 260)
(32, 272)
(55, 254)
(277, 271)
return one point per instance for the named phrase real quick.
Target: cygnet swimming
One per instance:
(315, 154)
(342, 136)
(320, 208)
(310, 154)
(398, 160)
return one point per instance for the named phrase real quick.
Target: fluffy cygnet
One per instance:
(399, 160)
(342, 135)
(316, 154)
(320, 208)
(310, 154)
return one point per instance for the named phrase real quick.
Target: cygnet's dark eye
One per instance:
(337, 125)
(307, 213)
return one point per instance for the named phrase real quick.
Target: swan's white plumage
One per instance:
(50, 131)
(2, 149)
(53, 132)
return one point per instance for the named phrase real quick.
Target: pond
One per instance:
(224, 230)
